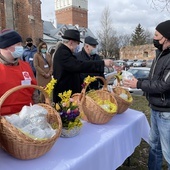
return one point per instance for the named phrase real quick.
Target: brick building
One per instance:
(144, 52)
(74, 12)
(24, 16)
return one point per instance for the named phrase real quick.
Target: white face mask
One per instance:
(93, 51)
(18, 52)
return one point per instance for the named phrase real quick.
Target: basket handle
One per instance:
(10, 91)
(83, 91)
(113, 76)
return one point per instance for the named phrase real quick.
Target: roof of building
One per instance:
(58, 31)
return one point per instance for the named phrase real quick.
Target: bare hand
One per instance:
(47, 76)
(108, 62)
(130, 83)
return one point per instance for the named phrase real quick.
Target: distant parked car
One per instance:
(149, 63)
(138, 72)
(138, 63)
(122, 63)
(143, 63)
(130, 63)
(109, 72)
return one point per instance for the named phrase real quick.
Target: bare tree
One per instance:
(124, 40)
(106, 35)
(149, 37)
(160, 4)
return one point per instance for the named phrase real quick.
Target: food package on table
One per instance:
(32, 120)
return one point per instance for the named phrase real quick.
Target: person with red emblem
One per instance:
(15, 72)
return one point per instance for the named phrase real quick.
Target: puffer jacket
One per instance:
(28, 56)
(157, 86)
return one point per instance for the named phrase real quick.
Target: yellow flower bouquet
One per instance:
(68, 109)
(69, 113)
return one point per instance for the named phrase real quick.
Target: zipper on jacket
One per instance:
(166, 77)
(153, 70)
(163, 97)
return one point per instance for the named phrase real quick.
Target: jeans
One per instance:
(159, 140)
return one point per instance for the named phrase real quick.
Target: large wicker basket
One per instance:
(17, 143)
(95, 113)
(123, 104)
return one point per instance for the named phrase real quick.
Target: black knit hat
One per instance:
(164, 29)
(29, 39)
(8, 38)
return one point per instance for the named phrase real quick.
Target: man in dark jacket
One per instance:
(89, 53)
(157, 89)
(67, 69)
(29, 51)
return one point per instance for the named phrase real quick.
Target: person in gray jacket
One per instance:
(157, 88)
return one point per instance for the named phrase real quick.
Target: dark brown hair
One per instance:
(40, 46)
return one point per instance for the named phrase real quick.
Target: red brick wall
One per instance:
(2, 15)
(27, 27)
(72, 16)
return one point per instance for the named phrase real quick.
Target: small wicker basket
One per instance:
(77, 97)
(94, 113)
(17, 143)
(123, 104)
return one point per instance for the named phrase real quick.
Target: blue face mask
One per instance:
(18, 52)
(93, 51)
(76, 49)
(43, 50)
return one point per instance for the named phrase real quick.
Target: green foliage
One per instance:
(138, 37)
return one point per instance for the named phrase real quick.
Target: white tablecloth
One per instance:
(97, 147)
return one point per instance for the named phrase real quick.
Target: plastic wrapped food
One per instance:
(32, 120)
(124, 96)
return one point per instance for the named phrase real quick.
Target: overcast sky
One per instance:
(126, 14)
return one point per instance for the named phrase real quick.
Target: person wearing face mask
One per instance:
(14, 72)
(67, 68)
(89, 53)
(43, 66)
(28, 54)
(157, 89)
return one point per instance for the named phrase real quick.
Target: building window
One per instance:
(145, 54)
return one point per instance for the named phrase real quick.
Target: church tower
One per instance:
(74, 12)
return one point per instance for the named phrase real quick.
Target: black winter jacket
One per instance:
(157, 86)
(83, 56)
(67, 69)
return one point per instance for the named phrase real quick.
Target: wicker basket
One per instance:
(17, 143)
(77, 97)
(96, 114)
(123, 104)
